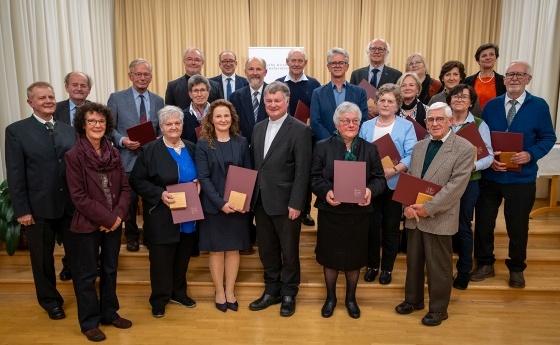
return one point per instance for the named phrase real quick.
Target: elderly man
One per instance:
(199, 88)
(281, 148)
(131, 107)
(326, 98)
(177, 90)
(446, 160)
(520, 112)
(228, 80)
(36, 171)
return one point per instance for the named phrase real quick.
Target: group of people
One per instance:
(96, 173)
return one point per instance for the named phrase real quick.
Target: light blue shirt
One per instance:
(73, 109)
(379, 74)
(137, 100)
(339, 96)
(484, 162)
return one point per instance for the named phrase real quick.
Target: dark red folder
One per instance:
(507, 142)
(241, 180)
(471, 133)
(349, 181)
(386, 147)
(198, 131)
(193, 210)
(371, 91)
(142, 133)
(408, 187)
(302, 112)
(421, 132)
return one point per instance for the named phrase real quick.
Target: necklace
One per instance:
(378, 122)
(487, 81)
(177, 147)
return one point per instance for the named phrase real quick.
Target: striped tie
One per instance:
(256, 105)
(511, 112)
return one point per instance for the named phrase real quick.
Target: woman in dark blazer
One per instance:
(224, 230)
(166, 161)
(342, 231)
(100, 191)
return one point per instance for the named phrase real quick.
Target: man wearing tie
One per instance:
(228, 80)
(130, 108)
(36, 170)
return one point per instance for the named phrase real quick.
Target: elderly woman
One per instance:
(487, 83)
(100, 191)
(411, 88)
(199, 90)
(452, 74)
(416, 63)
(342, 229)
(461, 99)
(166, 161)
(386, 212)
(224, 230)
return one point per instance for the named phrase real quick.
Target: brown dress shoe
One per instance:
(516, 280)
(119, 322)
(94, 334)
(482, 272)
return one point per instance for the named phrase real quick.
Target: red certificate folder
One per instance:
(193, 210)
(387, 148)
(241, 180)
(143, 133)
(349, 181)
(198, 131)
(302, 112)
(508, 143)
(408, 187)
(471, 133)
(371, 91)
(421, 132)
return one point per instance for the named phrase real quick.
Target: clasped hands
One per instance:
(415, 211)
(522, 157)
(330, 198)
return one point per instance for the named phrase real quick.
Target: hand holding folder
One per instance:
(387, 151)
(413, 190)
(508, 144)
(193, 208)
(238, 190)
(349, 182)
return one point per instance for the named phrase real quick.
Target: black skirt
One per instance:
(222, 232)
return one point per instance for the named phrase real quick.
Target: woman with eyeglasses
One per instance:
(461, 99)
(100, 191)
(487, 83)
(411, 88)
(416, 63)
(386, 216)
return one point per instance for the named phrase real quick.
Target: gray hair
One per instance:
(393, 89)
(346, 107)
(89, 80)
(136, 62)
(528, 68)
(276, 86)
(249, 59)
(337, 50)
(168, 111)
(294, 50)
(189, 49)
(440, 105)
(414, 76)
(198, 79)
(387, 46)
(411, 56)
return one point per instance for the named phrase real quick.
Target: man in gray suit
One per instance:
(446, 160)
(131, 107)
(281, 148)
(78, 85)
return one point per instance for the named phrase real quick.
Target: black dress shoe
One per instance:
(185, 301)
(353, 309)
(307, 220)
(385, 278)
(56, 313)
(65, 274)
(132, 245)
(407, 308)
(221, 306)
(328, 308)
(370, 275)
(434, 319)
(94, 334)
(232, 306)
(288, 307)
(264, 302)
(119, 322)
(158, 312)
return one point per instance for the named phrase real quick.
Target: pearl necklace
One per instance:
(485, 82)
(378, 123)
(177, 148)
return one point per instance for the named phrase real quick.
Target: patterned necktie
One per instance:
(228, 88)
(511, 112)
(143, 116)
(373, 80)
(256, 105)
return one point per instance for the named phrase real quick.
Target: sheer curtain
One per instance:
(46, 39)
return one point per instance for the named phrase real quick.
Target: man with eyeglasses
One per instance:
(326, 98)
(515, 111)
(130, 107)
(228, 80)
(445, 159)
(177, 90)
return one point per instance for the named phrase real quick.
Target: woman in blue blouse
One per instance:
(166, 161)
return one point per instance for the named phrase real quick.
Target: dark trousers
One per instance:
(518, 202)
(131, 231)
(384, 223)
(436, 253)
(41, 238)
(463, 239)
(278, 239)
(168, 269)
(85, 251)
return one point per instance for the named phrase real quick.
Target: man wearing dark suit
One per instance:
(177, 91)
(228, 80)
(377, 73)
(281, 148)
(130, 107)
(36, 171)
(78, 85)
(446, 160)
(326, 98)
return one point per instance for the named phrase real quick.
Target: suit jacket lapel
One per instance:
(330, 95)
(220, 157)
(439, 158)
(132, 104)
(258, 139)
(281, 132)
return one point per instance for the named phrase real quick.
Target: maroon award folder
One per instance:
(143, 133)
(371, 91)
(193, 211)
(349, 181)
(421, 132)
(198, 131)
(387, 148)
(408, 187)
(508, 143)
(240, 180)
(302, 112)
(471, 133)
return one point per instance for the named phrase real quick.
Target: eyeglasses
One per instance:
(197, 60)
(414, 63)
(347, 122)
(377, 49)
(198, 91)
(460, 96)
(338, 63)
(225, 62)
(140, 74)
(519, 75)
(438, 119)
(171, 124)
(93, 122)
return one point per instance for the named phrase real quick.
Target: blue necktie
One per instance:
(373, 80)
(228, 88)
(143, 115)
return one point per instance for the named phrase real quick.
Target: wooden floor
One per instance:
(488, 312)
